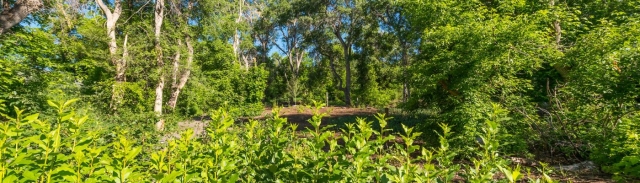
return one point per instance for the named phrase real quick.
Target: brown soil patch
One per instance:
(300, 115)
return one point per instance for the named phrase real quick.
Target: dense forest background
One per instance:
(566, 71)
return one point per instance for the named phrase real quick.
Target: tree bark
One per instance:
(336, 76)
(175, 72)
(347, 54)
(159, 16)
(564, 71)
(184, 77)
(157, 105)
(5, 5)
(120, 64)
(117, 93)
(20, 10)
(347, 84)
(236, 40)
(112, 18)
(405, 81)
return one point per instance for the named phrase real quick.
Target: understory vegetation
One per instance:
(95, 90)
(73, 148)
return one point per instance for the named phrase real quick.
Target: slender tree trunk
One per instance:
(175, 72)
(159, 16)
(265, 50)
(157, 105)
(405, 75)
(184, 77)
(347, 84)
(123, 60)
(236, 45)
(336, 76)
(291, 87)
(20, 10)
(291, 79)
(120, 64)
(564, 72)
(246, 61)
(117, 91)
(237, 41)
(347, 58)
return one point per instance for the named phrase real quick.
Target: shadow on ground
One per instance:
(340, 116)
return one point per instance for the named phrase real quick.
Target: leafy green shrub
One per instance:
(620, 155)
(69, 149)
(220, 82)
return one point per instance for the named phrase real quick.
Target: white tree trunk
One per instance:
(243, 60)
(120, 64)
(117, 93)
(176, 67)
(157, 105)
(184, 77)
(406, 93)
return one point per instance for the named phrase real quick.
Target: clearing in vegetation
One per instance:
(175, 90)
(70, 148)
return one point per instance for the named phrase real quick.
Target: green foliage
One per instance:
(551, 78)
(219, 82)
(26, 77)
(600, 91)
(475, 59)
(7, 79)
(373, 87)
(487, 160)
(565, 91)
(69, 149)
(619, 155)
(136, 99)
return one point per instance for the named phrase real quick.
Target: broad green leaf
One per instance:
(133, 153)
(10, 179)
(29, 176)
(53, 104)
(69, 102)
(32, 117)
(171, 177)
(233, 178)
(67, 117)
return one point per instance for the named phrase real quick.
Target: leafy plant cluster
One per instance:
(620, 155)
(565, 70)
(68, 149)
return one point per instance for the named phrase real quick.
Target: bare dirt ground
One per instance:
(299, 115)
